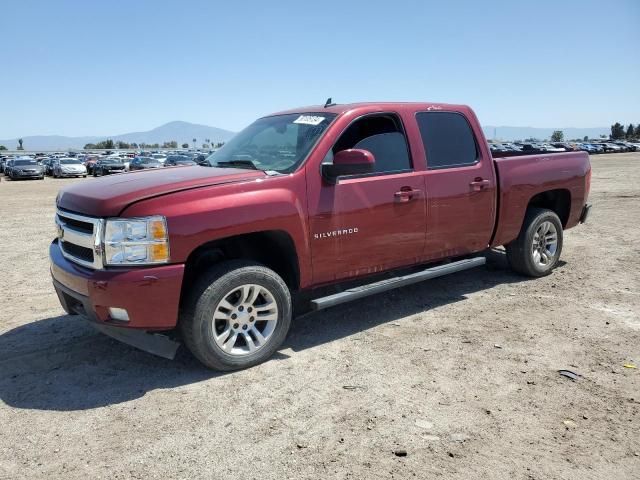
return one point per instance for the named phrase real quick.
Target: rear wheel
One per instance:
(537, 249)
(237, 316)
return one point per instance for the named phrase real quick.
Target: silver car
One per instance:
(69, 167)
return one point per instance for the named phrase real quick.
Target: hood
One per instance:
(108, 196)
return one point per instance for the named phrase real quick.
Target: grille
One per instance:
(83, 253)
(79, 225)
(79, 238)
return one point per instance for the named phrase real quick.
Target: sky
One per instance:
(77, 67)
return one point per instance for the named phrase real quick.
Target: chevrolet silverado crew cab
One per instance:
(313, 197)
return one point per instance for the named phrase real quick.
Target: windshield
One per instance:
(70, 162)
(279, 143)
(25, 162)
(112, 160)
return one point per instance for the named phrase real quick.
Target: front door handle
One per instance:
(406, 194)
(479, 184)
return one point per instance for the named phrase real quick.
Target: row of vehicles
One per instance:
(57, 166)
(556, 147)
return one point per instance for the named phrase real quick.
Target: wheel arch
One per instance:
(274, 249)
(558, 201)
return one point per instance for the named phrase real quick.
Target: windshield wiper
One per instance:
(239, 163)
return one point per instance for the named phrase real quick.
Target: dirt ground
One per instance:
(460, 372)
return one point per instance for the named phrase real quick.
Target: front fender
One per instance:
(205, 214)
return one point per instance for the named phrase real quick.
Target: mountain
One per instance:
(520, 133)
(185, 132)
(181, 132)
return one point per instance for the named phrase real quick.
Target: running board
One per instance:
(391, 283)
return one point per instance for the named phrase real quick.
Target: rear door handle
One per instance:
(479, 184)
(406, 194)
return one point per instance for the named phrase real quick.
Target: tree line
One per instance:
(120, 145)
(618, 132)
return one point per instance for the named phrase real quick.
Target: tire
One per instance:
(84, 176)
(220, 285)
(94, 173)
(526, 254)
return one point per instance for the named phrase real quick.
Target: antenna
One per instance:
(328, 103)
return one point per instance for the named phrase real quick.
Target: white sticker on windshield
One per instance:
(309, 120)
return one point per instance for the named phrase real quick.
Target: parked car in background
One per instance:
(23, 168)
(567, 147)
(46, 165)
(89, 162)
(612, 147)
(547, 147)
(598, 148)
(108, 165)
(68, 167)
(161, 157)
(6, 168)
(585, 147)
(625, 146)
(144, 163)
(179, 160)
(3, 161)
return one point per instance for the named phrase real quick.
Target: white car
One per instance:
(550, 148)
(68, 167)
(159, 157)
(613, 147)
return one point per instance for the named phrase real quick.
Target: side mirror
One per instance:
(354, 161)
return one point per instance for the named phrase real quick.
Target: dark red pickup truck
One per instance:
(302, 199)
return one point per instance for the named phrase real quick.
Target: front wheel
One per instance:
(237, 316)
(537, 249)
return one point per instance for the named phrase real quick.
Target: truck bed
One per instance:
(522, 177)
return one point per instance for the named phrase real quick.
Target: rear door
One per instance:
(368, 223)
(460, 184)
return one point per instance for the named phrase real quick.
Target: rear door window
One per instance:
(448, 140)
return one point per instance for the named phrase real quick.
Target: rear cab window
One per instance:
(448, 140)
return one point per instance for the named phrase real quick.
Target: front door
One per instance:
(365, 224)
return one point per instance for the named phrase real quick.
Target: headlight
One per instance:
(136, 241)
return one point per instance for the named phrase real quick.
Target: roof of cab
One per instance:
(372, 106)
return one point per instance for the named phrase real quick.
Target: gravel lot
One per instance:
(459, 372)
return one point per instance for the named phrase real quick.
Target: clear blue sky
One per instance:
(108, 67)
